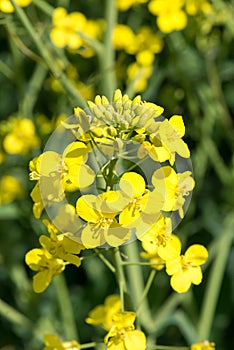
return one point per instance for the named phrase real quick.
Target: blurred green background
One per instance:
(193, 76)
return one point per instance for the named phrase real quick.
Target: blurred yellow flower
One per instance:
(46, 265)
(52, 342)
(122, 37)
(21, 137)
(123, 335)
(170, 14)
(10, 189)
(69, 30)
(185, 269)
(103, 314)
(205, 345)
(7, 7)
(124, 5)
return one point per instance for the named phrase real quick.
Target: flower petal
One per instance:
(132, 184)
(197, 254)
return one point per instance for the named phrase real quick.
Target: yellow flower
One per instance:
(174, 187)
(124, 5)
(59, 173)
(103, 314)
(122, 36)
(143, 207)
(52, 342)
(7, 7)
(123, 335)
(170, 14)
(10, 189)
(62, 247)
(139, 75)
(46, 265)
(68, 29)
(205, 345)
(185, 269)
(99, 213)
(21, 139)
(170, 133)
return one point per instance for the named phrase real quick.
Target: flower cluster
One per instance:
(119, 324)
(172, 14)
(144, 45)
(126, 204)
(50, 259)
(7, 7)
(162, 247)
(18, 135)
(74, 30)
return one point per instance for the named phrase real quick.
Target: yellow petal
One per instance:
(135, 339)
(195, 275)
(117, 235)
(173, 266)
(93, 236)
(181, 282)
(197, 254)
(132, 184)
(86, 208)
(177, 122)
(77, 151)
(170, 250)
(41, 281)
(58, 37)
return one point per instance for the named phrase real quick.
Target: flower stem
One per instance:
(215, 280)
(107, 55)
(146, 290)
(136, 283)
(64, 301)
(120, 276)
(14, 316)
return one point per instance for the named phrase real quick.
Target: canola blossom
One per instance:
(111, 158)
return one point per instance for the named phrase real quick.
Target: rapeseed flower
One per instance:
(10, 189)
(205, 345)
(69, 30)
(103, 314)
(174, 187)
(185, 269)
(7, 7)
(102, 226)
(52, 342)
(124, 5)
(46, 265)
(20, 137)
(123, 334)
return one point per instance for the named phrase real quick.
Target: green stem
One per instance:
(49, 60)
(107, 55)
(44, 6)
(136, 283)
(166, 310)
(13, 315)
(182, 321)
(33, 89)
(88, 345)
(66, 308)
(215, 280)
(120, 276)
(106, 261)
(146, 290)
(7, 71)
